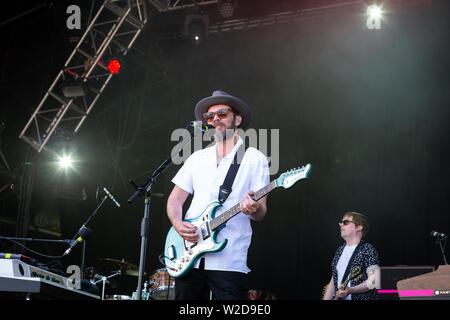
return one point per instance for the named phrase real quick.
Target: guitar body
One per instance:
(180, 255)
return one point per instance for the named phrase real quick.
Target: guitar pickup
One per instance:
(204, 229)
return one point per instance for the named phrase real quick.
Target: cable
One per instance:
(35, 252)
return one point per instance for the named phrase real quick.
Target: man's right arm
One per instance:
(175, 213)
(330, 291)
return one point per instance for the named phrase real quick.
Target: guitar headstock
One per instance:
(289, 178)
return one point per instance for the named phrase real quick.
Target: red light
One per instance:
(114, 66)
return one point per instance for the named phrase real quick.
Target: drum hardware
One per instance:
(119, 267)
(104, 280)
(160, 285)
(126, 268)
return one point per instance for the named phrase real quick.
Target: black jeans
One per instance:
(225, 285)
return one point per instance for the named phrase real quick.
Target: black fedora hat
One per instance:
(221, 97)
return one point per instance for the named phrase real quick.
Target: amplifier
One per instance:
(389, 276)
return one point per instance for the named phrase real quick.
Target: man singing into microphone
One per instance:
(353, 254)
(202, 174)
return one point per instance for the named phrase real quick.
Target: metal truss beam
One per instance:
(170, 5)
(267, 20)
(110, 34)
(279, 18)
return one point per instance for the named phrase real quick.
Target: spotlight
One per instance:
(374, 16)
(374, 12)
(114, 66)
(65, 162)
(196, 27)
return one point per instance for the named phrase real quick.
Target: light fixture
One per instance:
(114, 66)
(196, 27)
(74, 89)
(65, 162)
(226, 8)
(374, 12)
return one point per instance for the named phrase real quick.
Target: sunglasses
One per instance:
(346, 222)
(221, 113)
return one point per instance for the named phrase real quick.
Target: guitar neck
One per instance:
(230, 213)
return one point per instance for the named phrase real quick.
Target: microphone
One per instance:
(198, 124)
(111, 197)
(83, 234)
(438, 235)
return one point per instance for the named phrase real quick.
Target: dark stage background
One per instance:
(369, 109)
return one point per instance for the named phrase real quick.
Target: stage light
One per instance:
(73, 89)
(374, 17)
(196, 27)
(374, 12)
(114, 66)
(65, 162)
(226, 8)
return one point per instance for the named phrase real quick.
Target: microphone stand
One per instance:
(83, 251)
(442, 248)
(146, 190)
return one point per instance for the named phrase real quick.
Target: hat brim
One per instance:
(237, 104)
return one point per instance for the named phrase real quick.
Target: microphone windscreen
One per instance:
(85, 233)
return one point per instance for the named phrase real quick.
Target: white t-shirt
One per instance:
(342, 265)
(201, 176)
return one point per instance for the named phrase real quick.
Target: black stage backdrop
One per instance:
(369, 109)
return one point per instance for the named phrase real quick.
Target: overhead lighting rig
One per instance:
(86, 73)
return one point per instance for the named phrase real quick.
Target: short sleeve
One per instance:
(371, 258)
(183, 178)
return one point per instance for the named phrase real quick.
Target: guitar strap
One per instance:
(350, 262)
(225, 189)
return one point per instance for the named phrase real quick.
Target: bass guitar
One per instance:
(180, 255)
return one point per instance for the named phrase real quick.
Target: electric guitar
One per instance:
(354, 275)
(180, 255)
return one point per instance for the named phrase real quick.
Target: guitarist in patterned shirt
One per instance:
(353, 253)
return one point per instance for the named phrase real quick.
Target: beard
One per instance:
(225, 132)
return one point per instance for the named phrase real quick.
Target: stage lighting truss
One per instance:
(258, 22)
(170, 5)
(85, 75)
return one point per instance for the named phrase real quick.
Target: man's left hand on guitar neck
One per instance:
(255, 209)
